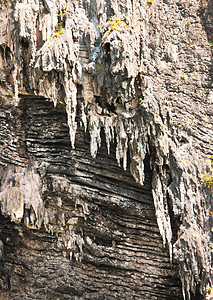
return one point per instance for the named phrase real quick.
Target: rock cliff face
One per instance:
(106, 113)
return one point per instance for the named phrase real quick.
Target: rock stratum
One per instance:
(106, 113)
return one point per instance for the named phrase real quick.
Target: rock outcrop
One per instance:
(106, 113)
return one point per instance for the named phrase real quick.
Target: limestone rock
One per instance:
(106, 133)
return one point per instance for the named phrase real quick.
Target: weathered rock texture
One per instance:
(84, 84)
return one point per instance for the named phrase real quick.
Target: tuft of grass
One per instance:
(59, 31)
(211, 43)
(115, 23)
(188, 22)
(208, 178)
(210, 39)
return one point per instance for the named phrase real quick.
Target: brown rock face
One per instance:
(106, 132)
(99, 237)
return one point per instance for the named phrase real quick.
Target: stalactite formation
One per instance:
(137, 77)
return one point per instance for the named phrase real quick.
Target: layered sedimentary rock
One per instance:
(106, 133)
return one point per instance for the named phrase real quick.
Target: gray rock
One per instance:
(108, 202)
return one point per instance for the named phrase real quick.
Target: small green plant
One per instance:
(188, 22)
(211, 246)
(211, 43)
(92, 128)
(208, 178)
(62, 15)
(115, 23)
(210, 290)
(58, 31)
(210, 40)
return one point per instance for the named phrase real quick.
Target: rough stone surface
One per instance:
(84, 84)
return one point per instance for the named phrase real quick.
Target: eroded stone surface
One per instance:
(99, 238)
(146, 82)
